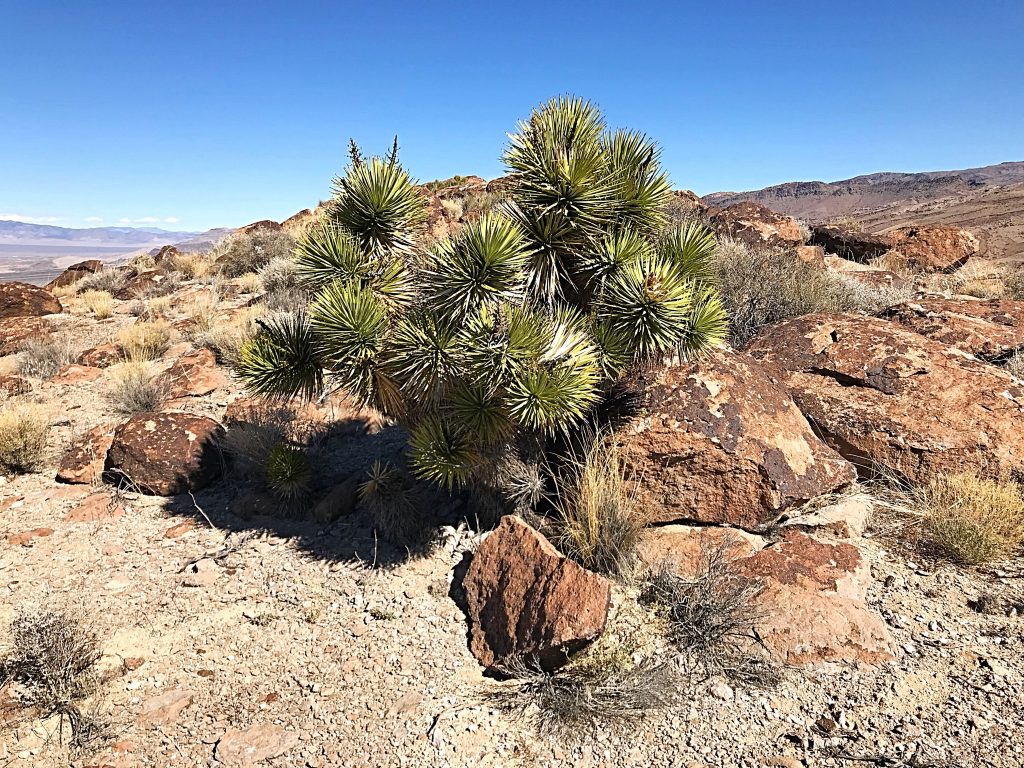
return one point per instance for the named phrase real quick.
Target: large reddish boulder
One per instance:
(164, 454)
(25, 300)
(813, 602)
(264, 224)
(102, 356)
(989, 329)
(526, 601)
(139, 284)
(885, 396)
(165, 254)
(720, 440)
(934, 248)
(850, 243)
(75, 272)
(756, 226)
(84, 459)
(15, 331)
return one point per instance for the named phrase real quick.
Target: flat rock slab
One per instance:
(164, 454)
(720, 440)
(527, 602)
(76, 374)
(240, 748)
(193, 375)
(25, 300)
(165, 708)
(884, 396)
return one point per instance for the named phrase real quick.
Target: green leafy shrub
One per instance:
(515, 326)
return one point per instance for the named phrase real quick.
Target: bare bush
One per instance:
(24, 428)
(583, 698)
(43, 356)
(107, 280)
(763, 287)
(712, 620)
(245, 252)
(54, 656)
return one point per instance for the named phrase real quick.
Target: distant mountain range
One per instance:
(37, 252)
(819, 200)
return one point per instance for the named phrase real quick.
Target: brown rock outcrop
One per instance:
(164, 454)
(193, 375)
(883, 395)
(25, 300)
(756, 226)
(103, 356)
(15, 331)
(11, 385)
(934, 248)
(526, 601)
(84, 459)
(720, 440)
(75, 272)
(849, 243)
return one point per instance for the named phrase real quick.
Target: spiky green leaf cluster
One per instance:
(517, 323)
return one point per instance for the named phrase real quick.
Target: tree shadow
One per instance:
(344, 452)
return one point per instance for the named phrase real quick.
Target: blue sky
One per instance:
(189, 115)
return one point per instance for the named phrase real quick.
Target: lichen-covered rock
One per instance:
(756, 226)
(933, 247)
(987, 329)
(719, 440)
(164, 454)
(84, 459)
(193, 375)
(526, 601)
(813, 602)
(25, 300)
(102, 356)
(11, 385)
(884, 396)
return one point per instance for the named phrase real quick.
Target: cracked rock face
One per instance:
(990, 329)
(934, 248)
(883, 395)
(164, 454)
(720, 440)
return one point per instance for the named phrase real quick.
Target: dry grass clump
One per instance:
(54, 657)
(144, 341)
(225, 340)
(599, 522)
(135, 387)
(763, 287)
(972, 519)
(191, 265)
(712, 620)
(24, 428)
(100, 303)
(245, 252)
(43, 356)
(1013, 283)
(583, 698)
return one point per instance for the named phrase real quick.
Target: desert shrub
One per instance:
(477, 202)
(972, 519)
(43, 356)
(598, 522)
(1014, 365)
(712, 620)
(201, 313)
(168, 284)
(100, 303)
(583, 698)
(190, 265)
(54, 657)
(516, 326)
(135, 387)
(244, 252)
(1013, 283)
(289, 472)
(453, 208)
(762, 287)
(283, 290)
(144, 341)
(24, 428)
(250, 442)
(107, 280)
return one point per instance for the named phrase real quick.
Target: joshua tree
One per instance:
(516, 326)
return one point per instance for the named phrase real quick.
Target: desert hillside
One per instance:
(987, 201)
(389, 489)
